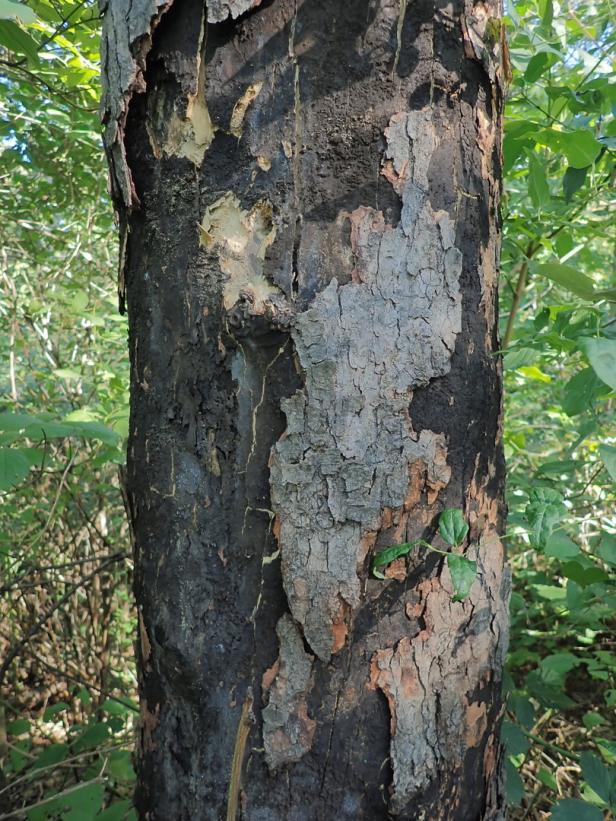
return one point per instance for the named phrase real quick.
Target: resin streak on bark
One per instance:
(308, 195)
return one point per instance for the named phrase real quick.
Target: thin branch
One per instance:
(16, 649)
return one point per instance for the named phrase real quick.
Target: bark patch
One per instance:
(429, 679)
(219, 10)
(363, 347)
(287, 728)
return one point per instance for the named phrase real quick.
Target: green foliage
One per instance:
(559, 337)
(65, 606)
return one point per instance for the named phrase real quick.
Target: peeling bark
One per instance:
(308, 195)
(287, 729)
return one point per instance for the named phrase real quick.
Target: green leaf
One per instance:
(18, 727)
(117, 707)
(601, 354)
(51, 755)
(581, 147)
(523, 709)
(533, 372)
(538, 187)
(514, 739)
(390, 554)
(14, 467)
(550, 592)
(537, 65)
(572, 809)
(608, 455)
(116, 812)
(560, 546)
(514, 785)
(607, 549)
(569, 278)
(11, 10)
(463, 573)
(580, 392)
(92, 736)
(52, 711)
(518, 357)
(597, 775)
(15, 422)
(17, 40)
(452, 527)
(121, 765)
(573, 180)
(83, 804)
(584, 576)
(546, 9)
(548, 694)
(548, 779)
(555, 667)
(544, 511)
(592, 720)
(94, 430)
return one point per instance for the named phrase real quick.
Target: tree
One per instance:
(308, 208)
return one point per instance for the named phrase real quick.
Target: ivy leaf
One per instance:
(601, 354)
(544, 511)
(14, 467)
(452, 527)
(463, 573)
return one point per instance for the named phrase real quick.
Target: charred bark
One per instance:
(308, 204)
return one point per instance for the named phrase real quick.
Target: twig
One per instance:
(18, 646)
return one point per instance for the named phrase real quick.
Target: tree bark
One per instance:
(308, 203)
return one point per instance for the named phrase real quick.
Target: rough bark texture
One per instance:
(308, 194)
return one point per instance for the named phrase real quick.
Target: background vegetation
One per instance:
(66, 667)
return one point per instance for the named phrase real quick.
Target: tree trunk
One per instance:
(307, 193)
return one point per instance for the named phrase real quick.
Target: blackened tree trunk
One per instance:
(307, 193)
